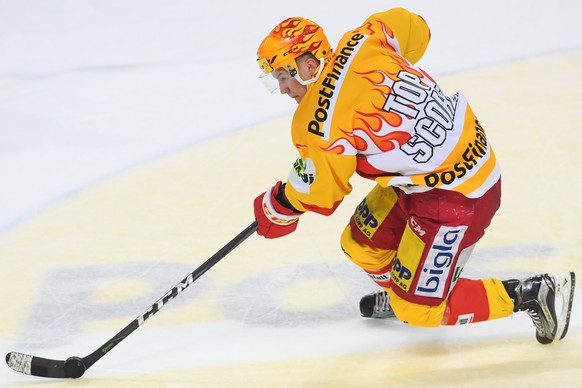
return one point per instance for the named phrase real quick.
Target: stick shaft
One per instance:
(171, 294)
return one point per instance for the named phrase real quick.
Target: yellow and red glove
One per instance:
(274, 215)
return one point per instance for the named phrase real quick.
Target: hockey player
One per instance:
(366, 108)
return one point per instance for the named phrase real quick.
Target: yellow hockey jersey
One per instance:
(374, 113)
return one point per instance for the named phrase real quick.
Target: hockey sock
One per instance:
(476, 301)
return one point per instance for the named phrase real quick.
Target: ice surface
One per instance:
(134, 136)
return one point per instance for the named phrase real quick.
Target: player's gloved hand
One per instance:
(275, 216)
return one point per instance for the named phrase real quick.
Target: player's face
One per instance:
(289, 85)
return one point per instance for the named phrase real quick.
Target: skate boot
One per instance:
(376, 305)
(539, 296)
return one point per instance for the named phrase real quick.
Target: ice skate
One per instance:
(540, 296)
(376, 305)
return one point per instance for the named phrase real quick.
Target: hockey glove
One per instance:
(275, 216)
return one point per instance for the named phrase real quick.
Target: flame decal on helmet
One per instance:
(290, 39)
(300, 34)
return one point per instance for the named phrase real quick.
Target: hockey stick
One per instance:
(75, 367)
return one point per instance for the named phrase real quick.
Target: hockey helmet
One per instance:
(290, 39)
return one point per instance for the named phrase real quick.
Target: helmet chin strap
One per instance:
(315, 78)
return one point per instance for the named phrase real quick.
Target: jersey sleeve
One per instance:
(319, 181)
(410, 29)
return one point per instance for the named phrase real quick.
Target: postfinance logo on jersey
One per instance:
(474, 153)
(330, 82)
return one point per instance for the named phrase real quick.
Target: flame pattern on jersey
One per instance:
(374, 113)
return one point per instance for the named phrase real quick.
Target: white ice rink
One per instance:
(134, 136)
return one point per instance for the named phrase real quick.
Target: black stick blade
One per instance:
(45, 367)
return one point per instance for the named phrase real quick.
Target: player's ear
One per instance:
(312, 64)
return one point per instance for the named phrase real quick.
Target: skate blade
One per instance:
(565, 285)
